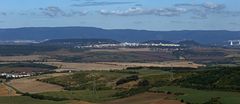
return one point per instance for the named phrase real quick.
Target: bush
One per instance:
(127, 79)
(134, 68)
(131, 92)
(182, 101)
(168, 92)
(160, 83)
(220, 78)
(143, 83)
(177, 94)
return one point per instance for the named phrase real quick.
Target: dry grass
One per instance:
(118, 65)
(7, 91)
(21, 58)
(146, 98)
(32, 86)
(83, 66)
(160, 64)
(167, 102)
(44, 76)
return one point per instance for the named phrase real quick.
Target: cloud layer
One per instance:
(196, 10)
(3, 13)
(140, 11)
(93, 3)
(53, 11)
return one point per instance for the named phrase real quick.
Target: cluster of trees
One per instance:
(33, 65)
(42, 97)
(124, 71)
(77, 81)
(223, 78)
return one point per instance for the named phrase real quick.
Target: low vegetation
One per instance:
(85, 80)
(82, 95)
(193, 96)
(203, 85)
(27, 100)
(221, 78)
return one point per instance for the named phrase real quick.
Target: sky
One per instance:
(158, 15)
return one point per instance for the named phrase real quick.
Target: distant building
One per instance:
(126, 44)
(234, 42)
(15, 75)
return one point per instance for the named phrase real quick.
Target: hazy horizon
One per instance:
(116, 28)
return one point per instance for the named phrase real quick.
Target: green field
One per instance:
(84, 80)
(201, 96)
(84, 95)
(27, 100)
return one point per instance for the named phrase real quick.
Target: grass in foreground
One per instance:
(27, 100)
(201, 96)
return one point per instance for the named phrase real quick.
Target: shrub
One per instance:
(143, 83)
(127, 79)
(131, 92)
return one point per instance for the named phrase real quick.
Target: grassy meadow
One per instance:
(194, 96)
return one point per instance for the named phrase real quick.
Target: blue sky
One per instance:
(123, 14)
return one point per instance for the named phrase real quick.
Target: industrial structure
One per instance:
(234, 42)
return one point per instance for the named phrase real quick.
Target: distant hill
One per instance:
(158, 41)
(41, 33)
(189, 43)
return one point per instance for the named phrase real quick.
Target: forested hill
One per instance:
(41, 33)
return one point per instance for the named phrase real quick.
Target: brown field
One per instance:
(62, 52)
(68, 53)
(118, 65)
(159, 64)
(32, 86)
(146, 98)
(6, 91)
(83, 66)
(49, 75)
(21, 58)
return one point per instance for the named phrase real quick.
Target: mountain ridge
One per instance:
(130, 35)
